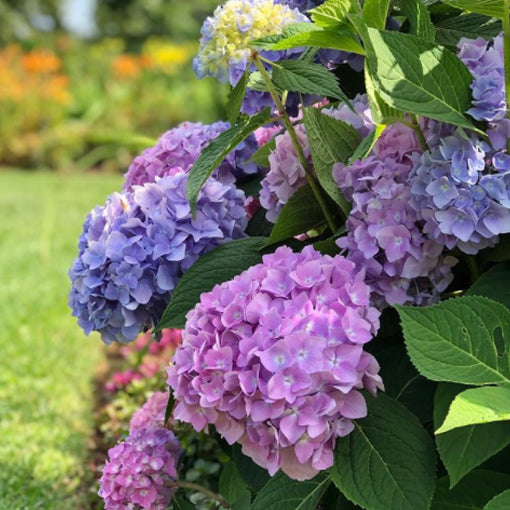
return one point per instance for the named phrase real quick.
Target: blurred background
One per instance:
(84, 86)
(86, 83)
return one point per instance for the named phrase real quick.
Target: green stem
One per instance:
(295, 142)
(199, 488)
(473, 268)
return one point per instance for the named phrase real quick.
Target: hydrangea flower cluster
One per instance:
(286, 174)
(133, 251)
(226, 36)
(139, 470)
(384, 233)
(151, 414)
(485, 61)
(181, 147)
(462, 189)
(275, 360)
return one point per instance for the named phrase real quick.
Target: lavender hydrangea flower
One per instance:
(139, 470)
(151, 414)
(286, 174)
(181, 147)
(384, 232)
(133, 251)
(274, 359)
(485, 61)
(462, 190)
(225, 43)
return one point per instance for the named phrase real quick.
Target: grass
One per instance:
(46, 362)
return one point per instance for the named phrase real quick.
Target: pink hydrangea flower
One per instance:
(151, 414)
(139, 470)
(275, 360)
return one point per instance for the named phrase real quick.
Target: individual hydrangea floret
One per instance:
(225, 43)
(181, 146)
(384, 233)
(139, 470)
(286, 174)
(462, 189)
(151, 414)
(275, 360)
(133, 251)
(485, 61)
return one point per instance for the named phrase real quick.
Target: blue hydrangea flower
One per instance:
(485, 61)
(462, 189)
(133, 251)
(181, 146)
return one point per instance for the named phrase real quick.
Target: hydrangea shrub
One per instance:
(345, 331)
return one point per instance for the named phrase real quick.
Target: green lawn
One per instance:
(46, 362)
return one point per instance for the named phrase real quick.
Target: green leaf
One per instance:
(300, 214)
(169, 405)
(251, 185)
(455, 340)
(261, 156)
(331, 141)
(306, 78)
(216, 266)
(257, 82)
(327, 247)
(472, 493)
(232, 487)
(290, 31)
(477, 406)
(258, 225)
(494, 284)
(419, 77)
(179, 503)
(382, 112)
(332, 13)
(418, 16)
(283, 493)
(375, 13)
(500, 252)
(462, 450)
(255, 476)
(492, 8)
(388, 461)
(218, 150)
(235, 98)
(450, 30)
(340, 39)
(403, 383)
(500, 502)
(367, 144)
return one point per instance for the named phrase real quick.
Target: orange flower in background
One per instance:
(40, 62)
(56, 89)
(126, 66)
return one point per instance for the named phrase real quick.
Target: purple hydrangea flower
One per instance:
(181, 147)
(275, 360)
(286, 175)
(485, 61)
(462, 190)
(133, 251)
(139, 470)
(151, 414)
(384, 232)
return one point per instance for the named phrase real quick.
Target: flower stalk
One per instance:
(295, 142)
